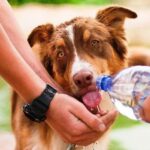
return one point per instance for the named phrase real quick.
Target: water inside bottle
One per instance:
(129, 91)
(129, 98)
(125, 110)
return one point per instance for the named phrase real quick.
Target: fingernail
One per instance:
(102, 127)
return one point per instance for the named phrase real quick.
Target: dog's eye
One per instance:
(60, 54)
(95, 43)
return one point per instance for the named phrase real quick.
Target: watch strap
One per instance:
(43, 101)
(36, 111)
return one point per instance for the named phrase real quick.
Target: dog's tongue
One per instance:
(91, 99)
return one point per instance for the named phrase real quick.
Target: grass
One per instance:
(115, 145)
(4, 106)
(124, 122)
(94, 2)
(2, 83)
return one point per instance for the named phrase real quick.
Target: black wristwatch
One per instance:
(36, 111)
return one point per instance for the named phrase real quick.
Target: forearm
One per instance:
(15, 70)
(9, 23)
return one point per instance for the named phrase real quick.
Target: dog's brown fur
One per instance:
(108, 55)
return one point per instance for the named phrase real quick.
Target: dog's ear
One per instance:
(37, 37)
(40, 34)
(113, 18)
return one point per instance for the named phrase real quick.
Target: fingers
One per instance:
(79, 126)
(79, 133)
(109, 118)
(89, 119)
(83, 139)
(91, 136)
(87, 139)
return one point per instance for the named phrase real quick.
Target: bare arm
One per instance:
(11, 26)
(16, 71)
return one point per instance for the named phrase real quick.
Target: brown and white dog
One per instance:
(74, 54)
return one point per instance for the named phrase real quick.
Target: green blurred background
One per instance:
(4, 106)
(19, 2)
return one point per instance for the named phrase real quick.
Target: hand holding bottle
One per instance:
(129, 91)
(145, 112)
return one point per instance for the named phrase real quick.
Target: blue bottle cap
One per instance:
(104, 82)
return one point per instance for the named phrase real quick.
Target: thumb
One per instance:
(88, 118)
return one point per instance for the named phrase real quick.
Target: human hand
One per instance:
(145, 111)
(74, 123)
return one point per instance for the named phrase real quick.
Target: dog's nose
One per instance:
(83, 78)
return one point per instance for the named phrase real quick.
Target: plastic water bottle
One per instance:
(128, 89)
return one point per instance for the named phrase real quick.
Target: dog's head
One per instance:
(76, 52)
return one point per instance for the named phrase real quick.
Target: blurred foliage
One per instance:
(115, 145)
(101, 2)
(124, 122)
(4, 106)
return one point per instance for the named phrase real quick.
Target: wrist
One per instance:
(37, 109)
